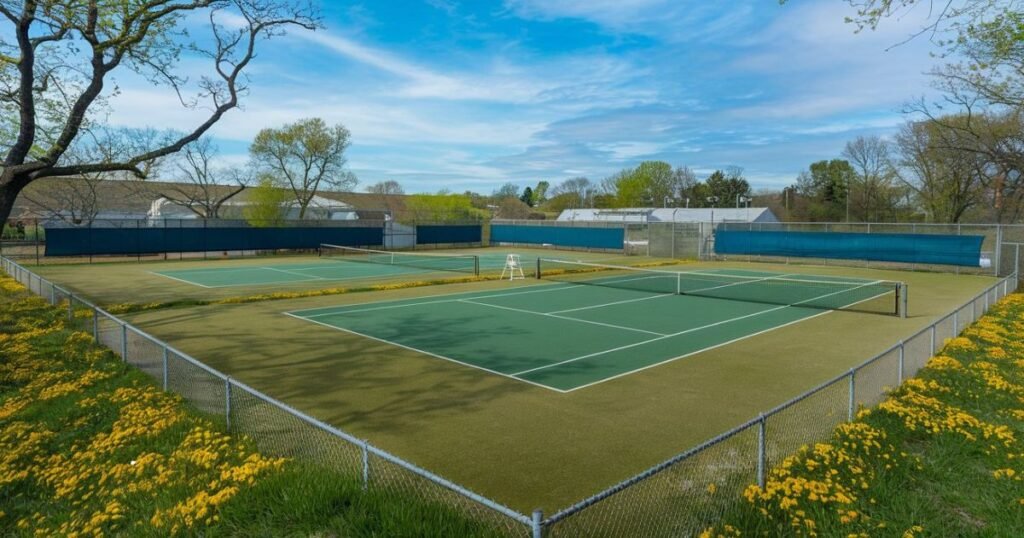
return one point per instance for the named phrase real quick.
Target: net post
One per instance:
(476, 265)
(853, 395)
(538, 268)
(227, 403)
(762, 452)
(537, 524)
(904, 299)
(679, 283)
(899, 374)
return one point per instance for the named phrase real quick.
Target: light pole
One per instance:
(741, 199)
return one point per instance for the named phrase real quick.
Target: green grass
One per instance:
(949, 458)
(89, 445)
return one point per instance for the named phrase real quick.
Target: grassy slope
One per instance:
(942, 456)
(89, 445)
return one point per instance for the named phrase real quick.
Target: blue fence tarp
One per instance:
(964, 250)
(444, 234)
(606, 238)
(153, 240)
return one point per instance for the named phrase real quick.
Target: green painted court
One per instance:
(582, 330)
(341, 268)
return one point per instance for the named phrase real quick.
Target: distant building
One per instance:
(640, 214)
(320, 208)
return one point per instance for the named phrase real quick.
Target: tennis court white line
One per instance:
(709, 348)
(552, 315)
(179, 280)
(435, 355)
(275, 282)
(285, 271)
(613, 303)
(454, 299)
(701, 350)
(687, 331)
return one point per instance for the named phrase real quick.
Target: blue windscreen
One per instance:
(964, 250)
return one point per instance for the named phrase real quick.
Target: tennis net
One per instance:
(879, 296)
(461, 263)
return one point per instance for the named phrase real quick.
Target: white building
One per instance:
(679, 214)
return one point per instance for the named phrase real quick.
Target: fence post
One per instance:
(165, 367)
(366, 467)
(124, 342)
(95, 324)
(956, 323)
(933, 341)
(227, 402)
(900, 376)
(853, 394)
(762, 453)
(71, 307)
(536, 524)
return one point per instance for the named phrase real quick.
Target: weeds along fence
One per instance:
(679, 497)
(276, 428)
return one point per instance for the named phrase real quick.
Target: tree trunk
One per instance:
(10, 186)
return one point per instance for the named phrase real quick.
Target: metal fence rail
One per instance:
(680, 496)
(275, 427)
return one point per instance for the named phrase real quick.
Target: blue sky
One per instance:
(472, 94)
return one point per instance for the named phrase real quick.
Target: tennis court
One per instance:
(592, 323)
(337, 263)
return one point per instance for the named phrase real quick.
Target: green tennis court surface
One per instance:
(569, 335)
(328, 269)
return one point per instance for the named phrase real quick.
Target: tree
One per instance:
(825, 184)
(946, 182)
(572, 193)
(727, 186)
(873, 195)
(508, 190)
(540, 193)
(650, 183)
(267, 205)
(57, 57)
(74, 200)
(307, 155)
(527, 196)
(386, 194)
(202, 188)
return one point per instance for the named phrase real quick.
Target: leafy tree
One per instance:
(825, 185)
(945, 182)
(727, 186)
(540, 193)
(308, 155)
(57, 59)
(648, 184)
(527, 196)
(267, 204)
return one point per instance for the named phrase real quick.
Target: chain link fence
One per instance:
(680, 496)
